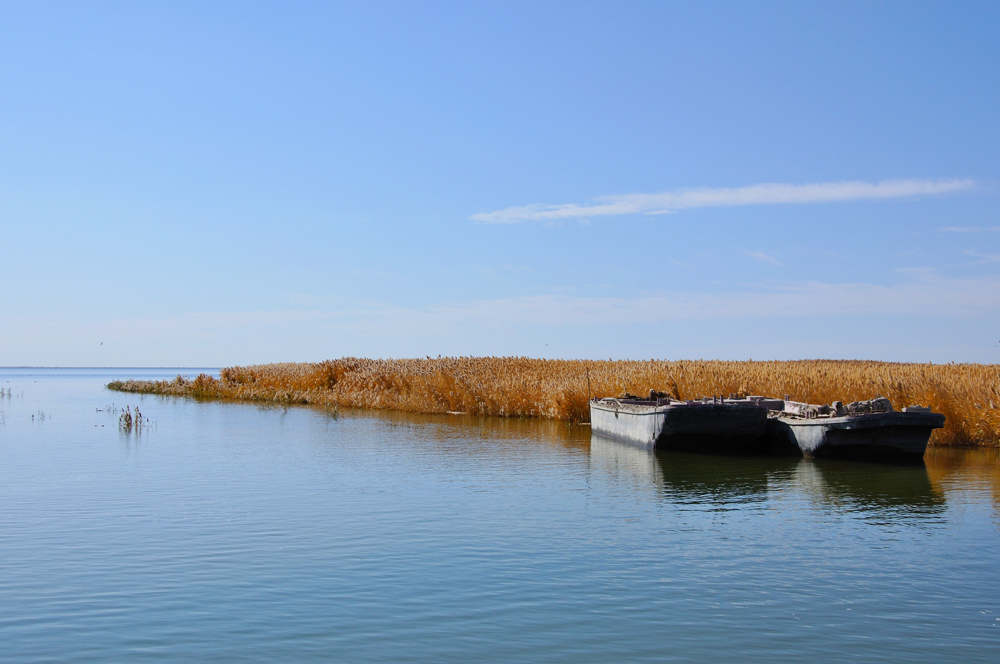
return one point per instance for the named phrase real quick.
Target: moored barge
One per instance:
(660, 422)
(860, 430)
(748, 425)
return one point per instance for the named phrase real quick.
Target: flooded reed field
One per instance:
(210, 530)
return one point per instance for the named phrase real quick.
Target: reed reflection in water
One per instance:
(965, 475)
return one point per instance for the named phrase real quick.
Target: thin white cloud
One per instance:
(761, 256)
(758, 194)
(504, 272)
(970, 229)
(983, 258)
(921, 295)
(213, 339)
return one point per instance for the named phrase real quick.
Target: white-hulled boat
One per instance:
(863, 429)
(661, 422)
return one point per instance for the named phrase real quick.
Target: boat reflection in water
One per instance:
(860, 487)
(696, 478)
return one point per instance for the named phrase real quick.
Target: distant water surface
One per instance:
(227, 531)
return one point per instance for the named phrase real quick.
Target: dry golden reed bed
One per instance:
(968, 394)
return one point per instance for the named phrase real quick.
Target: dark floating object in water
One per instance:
(706, 425)
(860, 430)
(757, 425)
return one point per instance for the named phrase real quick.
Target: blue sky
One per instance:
(234, 183)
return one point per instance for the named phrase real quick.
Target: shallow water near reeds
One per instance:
(227, 531)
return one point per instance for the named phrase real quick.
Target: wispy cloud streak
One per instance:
(503, 325)
(971, 229)
(758, 194)
(983, 258)
(761, 256)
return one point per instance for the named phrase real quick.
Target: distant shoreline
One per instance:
(967, 394)
(113, 368)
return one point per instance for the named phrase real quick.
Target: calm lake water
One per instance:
(237, 532)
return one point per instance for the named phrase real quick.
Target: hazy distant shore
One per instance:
(968, 394)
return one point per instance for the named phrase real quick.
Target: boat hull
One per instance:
(882, 436)
(689, 426)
